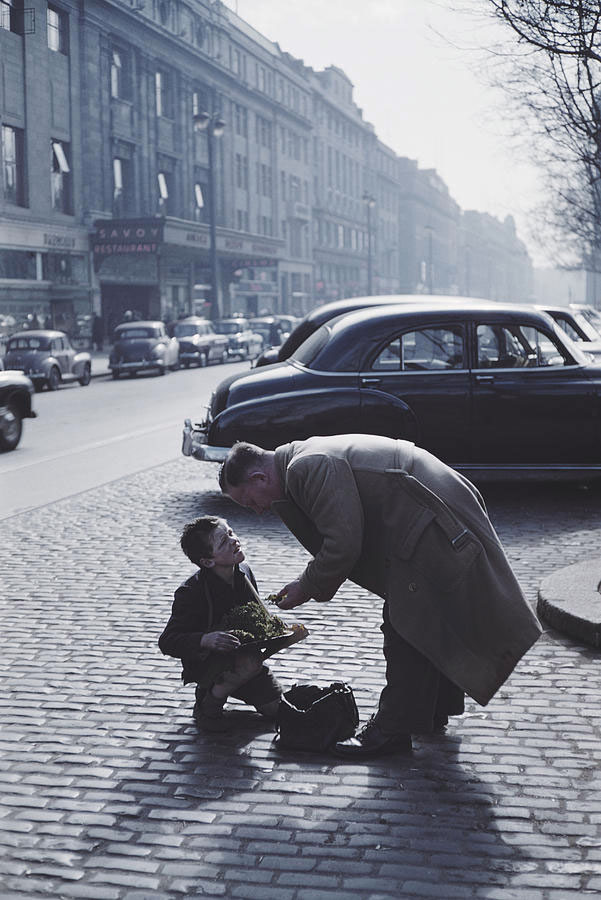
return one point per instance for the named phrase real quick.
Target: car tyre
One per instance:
(54, 379)
(202, 360)
(115, 373)
(162, 370)
(186, 364)
(175, 366)
(87, 375)
(11, 427)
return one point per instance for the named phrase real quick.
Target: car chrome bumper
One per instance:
(194, 443)
(141, 364)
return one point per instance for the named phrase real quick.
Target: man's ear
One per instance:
(206, 563)
(259, 475)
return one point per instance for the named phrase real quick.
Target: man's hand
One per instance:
(219, 641)
(292, 595)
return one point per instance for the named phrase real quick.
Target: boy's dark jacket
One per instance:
(198, 607)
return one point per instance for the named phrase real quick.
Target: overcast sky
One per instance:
(418, 79)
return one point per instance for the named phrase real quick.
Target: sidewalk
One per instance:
(109, 792)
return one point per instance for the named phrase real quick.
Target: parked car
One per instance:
(321, 314)
(490, 388)
(140, 346)
(199, 343)
(288, 323)
(577, 326)
(16, 392)
(244, 342)
(48, 358)
(271, 330)
(590, 313)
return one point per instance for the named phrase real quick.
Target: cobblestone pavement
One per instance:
(110, 792)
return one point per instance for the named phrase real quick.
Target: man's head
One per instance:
(250, 478)
(209, 541)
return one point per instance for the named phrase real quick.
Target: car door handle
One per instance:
(485, 379)
(371, 382)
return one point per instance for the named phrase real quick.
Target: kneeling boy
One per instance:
(210, 657)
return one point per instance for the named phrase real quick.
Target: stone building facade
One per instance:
(108, 181)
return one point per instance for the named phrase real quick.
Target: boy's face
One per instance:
(226, 546)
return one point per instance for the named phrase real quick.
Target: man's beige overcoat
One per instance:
(397, 521)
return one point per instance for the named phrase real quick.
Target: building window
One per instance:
(60, 177)
(165, 186)
(163, 94)
(18, 264)
(240, 120)
(57, 28)
(13, 165)
(120, 75)
(11, 16)
(123, 194)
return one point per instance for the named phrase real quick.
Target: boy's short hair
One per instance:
(197, 538)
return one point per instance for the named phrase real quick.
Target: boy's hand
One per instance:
(219, 641)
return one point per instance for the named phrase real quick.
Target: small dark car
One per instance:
(243, 341)
(48, 358)
(271, 330)
(142, 346)
(16, 392)
(492, 389)
(199, 343)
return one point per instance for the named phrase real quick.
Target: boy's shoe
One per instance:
(208, 714)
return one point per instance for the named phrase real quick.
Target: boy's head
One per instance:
(209, 541)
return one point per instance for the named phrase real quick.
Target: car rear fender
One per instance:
(295, 415)
(19, 397)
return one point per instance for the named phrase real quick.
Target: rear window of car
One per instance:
(231, 327)
(309, 349)
(131, 334)
(28, 343)
(187, 330)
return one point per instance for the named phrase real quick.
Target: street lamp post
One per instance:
(214, 125)
(370, 202)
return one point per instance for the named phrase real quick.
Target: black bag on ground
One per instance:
(314, 718)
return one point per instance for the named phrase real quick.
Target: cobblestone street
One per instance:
(110, 792)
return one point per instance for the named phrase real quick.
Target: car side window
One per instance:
(57, 345)
(424, 350)
(569, 329)
(516, 346)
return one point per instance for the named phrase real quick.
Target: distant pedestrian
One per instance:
(210, 654)
(97, 332)
(396, 520)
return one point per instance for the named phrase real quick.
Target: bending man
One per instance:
(402, 524)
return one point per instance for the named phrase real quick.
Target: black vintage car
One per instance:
(143, 346)
(16, 391)
(490, 388)
(199, 343)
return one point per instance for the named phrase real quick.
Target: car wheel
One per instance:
(202, 360)
(54, 379)
(38, 386)
(133, 373)
(162, 370)
(175, 366)
(115, 373)
(11, 426)
(87, 376)
(186, 364)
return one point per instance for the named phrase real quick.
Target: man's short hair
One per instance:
(197, 538)
(241, 458)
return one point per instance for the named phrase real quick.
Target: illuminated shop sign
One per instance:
(139, 237)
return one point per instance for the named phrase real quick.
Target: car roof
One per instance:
(38, 332)
(145, 323)
(336, 307)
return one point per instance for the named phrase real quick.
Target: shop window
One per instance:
(60, 177)
(18, 264)
(57, 30)
(13, 165)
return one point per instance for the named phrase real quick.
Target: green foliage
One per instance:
(253, 619)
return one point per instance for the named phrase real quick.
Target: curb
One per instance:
(570, 601)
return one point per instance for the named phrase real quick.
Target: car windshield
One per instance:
(132, 334)
(29, 343)
(230, 327)
(309, 349)
(186, 329)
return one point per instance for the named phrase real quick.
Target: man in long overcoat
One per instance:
(399, 522)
